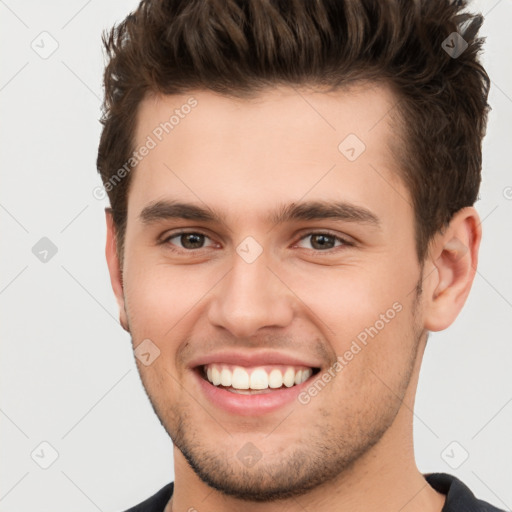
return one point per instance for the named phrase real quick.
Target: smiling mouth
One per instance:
(254, 380)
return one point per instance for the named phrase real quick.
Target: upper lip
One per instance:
(252, 359)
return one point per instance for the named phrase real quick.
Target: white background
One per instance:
(68, 375)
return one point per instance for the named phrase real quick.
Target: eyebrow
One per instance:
(310, 210)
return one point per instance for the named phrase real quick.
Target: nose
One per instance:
(250, 297)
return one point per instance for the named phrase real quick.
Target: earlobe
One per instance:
(114, 268)
(455, 258)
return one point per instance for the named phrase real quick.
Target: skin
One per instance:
(351, 446)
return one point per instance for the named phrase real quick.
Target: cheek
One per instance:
(159, 296)
(348, 298)
(365, 314)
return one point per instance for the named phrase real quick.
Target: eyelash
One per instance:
(345, 243)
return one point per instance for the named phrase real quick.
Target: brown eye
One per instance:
(192, 240)
(324, 241)
(188, 240)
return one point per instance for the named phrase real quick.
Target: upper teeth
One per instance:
(258, 377)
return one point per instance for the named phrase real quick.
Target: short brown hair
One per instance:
(241, 47)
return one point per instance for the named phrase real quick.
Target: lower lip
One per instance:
(250, 405)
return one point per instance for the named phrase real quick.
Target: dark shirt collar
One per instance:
(459, 497)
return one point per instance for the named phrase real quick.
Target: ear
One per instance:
(114, 268)
(453, 260)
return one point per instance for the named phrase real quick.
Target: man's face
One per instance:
(245, 285)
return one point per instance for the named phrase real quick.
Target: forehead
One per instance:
(245, 155)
